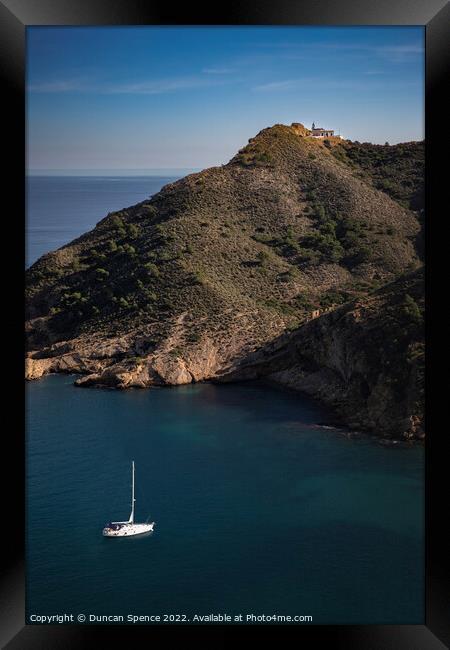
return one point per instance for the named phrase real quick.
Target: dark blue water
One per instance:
(258, 509)
(61, 208)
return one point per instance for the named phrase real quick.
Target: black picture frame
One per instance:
(15, 16)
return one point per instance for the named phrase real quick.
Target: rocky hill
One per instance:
(185, 285)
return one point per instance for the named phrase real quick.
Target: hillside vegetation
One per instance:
(398, 170)
(218, 264)
(365, 359)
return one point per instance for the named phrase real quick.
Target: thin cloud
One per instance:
(313, 46)
(400, 53)
(393, 53)
(287, 84)
(338, 84)
(217, 70)
(402, 49)
(62, 86)
(147, 87)
(161, 86)
(407, 47)
(304, 82)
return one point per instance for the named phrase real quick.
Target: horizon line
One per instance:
(103, 171)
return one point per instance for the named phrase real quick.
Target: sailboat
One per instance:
(127, 528)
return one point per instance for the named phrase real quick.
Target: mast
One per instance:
(131, 520)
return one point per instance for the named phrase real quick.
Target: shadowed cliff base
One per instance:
(364, 359)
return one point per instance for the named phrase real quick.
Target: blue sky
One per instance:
(139, 98)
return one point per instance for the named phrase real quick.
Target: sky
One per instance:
(133, 99)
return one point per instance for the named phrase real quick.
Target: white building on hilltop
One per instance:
(318, 132)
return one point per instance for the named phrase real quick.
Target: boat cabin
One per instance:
(116, 525)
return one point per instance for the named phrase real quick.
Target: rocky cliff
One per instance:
(185, 285)
(365, 360)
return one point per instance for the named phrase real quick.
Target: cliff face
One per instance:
(185, 285)
(365, 360)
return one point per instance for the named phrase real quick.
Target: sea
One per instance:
(263, 507)
(61, 208)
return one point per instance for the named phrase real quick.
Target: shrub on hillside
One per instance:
(101, 274)
(152, 270)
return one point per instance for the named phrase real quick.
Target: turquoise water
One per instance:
(258, 508)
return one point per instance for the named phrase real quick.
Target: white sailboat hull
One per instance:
(126, 530)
